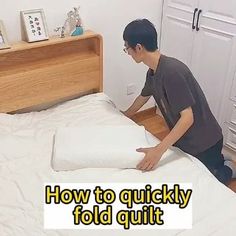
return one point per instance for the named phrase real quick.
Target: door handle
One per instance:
(197, 27)
(194, 13)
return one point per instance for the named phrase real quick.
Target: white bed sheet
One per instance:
(22, 176)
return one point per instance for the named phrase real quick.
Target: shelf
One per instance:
(24, 56)
(22, 45)
(48, 62)
(38, 73)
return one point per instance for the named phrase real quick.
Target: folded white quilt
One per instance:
(98, 146)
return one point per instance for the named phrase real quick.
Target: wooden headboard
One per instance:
(48, 72)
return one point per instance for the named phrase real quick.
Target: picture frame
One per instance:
(3, 37)
(35, 26)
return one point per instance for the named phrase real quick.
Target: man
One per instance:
(193, 127)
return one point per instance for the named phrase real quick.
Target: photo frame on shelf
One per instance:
(3, 37)
(35, 26)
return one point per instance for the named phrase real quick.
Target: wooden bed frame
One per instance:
(37, 75)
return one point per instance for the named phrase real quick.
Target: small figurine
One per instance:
(78, 29)
(72, 23)
(1, 38)
(62, 29)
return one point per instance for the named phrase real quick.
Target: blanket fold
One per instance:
(99, 146)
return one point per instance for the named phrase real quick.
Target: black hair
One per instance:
(141, 31)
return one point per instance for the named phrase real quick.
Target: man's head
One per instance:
(140, 35)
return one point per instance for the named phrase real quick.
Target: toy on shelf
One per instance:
(72, 24)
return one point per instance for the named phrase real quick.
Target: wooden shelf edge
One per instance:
(23, 45)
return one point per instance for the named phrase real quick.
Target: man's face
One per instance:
(135, 53)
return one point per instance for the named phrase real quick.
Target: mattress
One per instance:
(26, 142)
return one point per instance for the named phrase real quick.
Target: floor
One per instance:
(156, 125)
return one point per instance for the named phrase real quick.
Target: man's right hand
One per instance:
(127, 113)
(137, 104)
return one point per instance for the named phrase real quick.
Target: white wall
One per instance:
(107, 17)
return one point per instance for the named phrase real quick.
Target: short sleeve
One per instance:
(147, 91)
(178, 91)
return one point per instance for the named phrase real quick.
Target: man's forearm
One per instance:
(137, 104)
(184, 123)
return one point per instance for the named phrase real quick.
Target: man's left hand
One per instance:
(151, 158)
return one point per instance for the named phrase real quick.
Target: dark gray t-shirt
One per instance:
(174, 88)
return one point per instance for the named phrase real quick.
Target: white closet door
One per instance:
(213, 58)
(219, 10)
(177, 37)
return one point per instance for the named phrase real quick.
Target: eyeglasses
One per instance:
(126, 49)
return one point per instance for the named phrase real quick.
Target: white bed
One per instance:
(25, 165)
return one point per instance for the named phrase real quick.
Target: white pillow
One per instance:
(98, 146)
